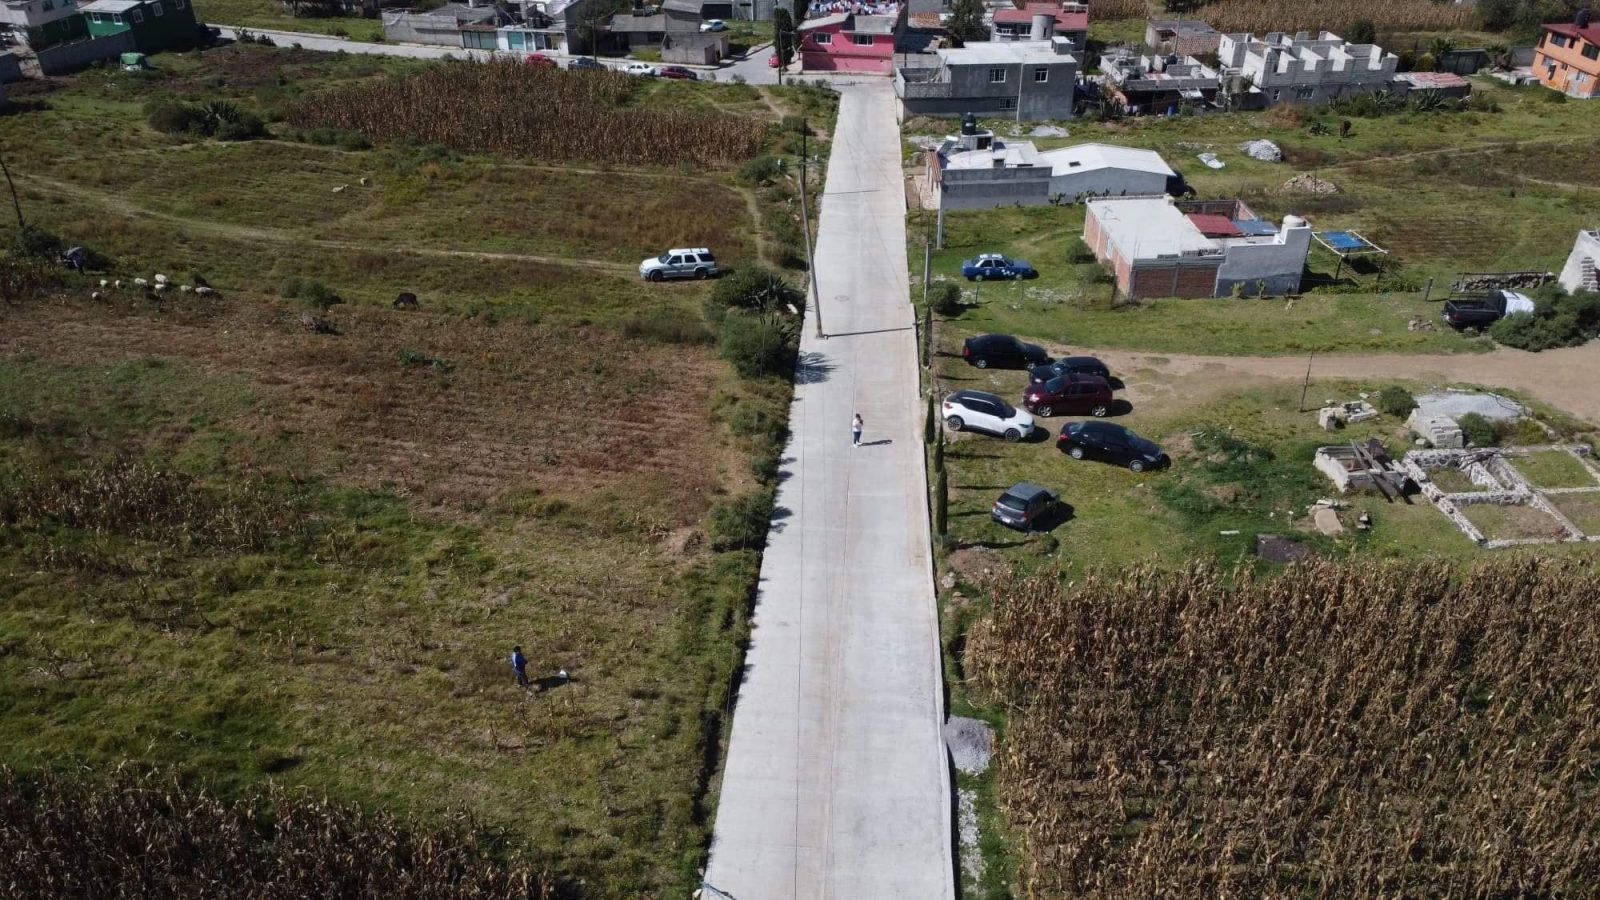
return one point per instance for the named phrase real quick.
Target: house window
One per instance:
(823, 38)
(48, 5)
(116, 18)
(157, 10)
(1560, 40)
(1304, 93)
(1591, 51)
(178, 4)
(135, 16)
(1276, 95)
(1008, 103)
(864, 40)
(997, 76)
(95, 18)
(1041, 75)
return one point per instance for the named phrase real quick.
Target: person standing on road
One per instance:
(519, 664)
(855, 430)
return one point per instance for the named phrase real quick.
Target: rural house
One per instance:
(1041, 22)
(638, 29)
(1183, 37)
(40, 23)
(155, 25)
(694, 48)
(1579, 274)
(1568, 57)
(848, 42)
(1160, 247)
(977, 170)
(1018, 80)
(1157, 84)
(552, 26)
(443, 26)
(1301, 69)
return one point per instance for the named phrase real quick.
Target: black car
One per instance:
(587, 63)
(1003, 350)
(1110, 443)
(1071, 365)
(1024, 505)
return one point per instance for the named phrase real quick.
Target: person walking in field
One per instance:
(855, 430)
(519, 664)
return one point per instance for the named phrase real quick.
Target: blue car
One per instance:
(993, 265)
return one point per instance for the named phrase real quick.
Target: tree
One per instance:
(1361, 31)
(1497, 15)
(798, 11)
(783, 35)
(966, 21)
(941, 506)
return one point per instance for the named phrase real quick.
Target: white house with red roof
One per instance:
(1041, 22)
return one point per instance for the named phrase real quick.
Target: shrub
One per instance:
(214, 118)
(169, 116)
(761, 169)
(312, 292)
(758, 345)
(353, 142)
(1478, 430)
(945, 298)
(754, 289)
(33, 241)
(1396, 401)
(741, 523)
(1558, 320)
(941, 504)
(796, 125)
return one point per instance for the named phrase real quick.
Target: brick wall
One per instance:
(1169, 280)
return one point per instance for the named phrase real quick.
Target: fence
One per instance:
(65, 58)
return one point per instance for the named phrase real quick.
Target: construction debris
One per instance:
(1334, 416)
(1363, 467)
(1438, 431)
(1262, 149)
(1496, 481)
(1309, 184)
(1327, 521)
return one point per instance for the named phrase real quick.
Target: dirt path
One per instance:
(257, 234)
(1568, 379)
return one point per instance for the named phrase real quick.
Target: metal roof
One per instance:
(111, 6)
(1147, 228)
(1088, 157)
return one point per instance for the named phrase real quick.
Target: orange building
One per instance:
(1568, 57)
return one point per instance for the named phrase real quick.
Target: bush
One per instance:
(312, 292)
(741, 524)
(169, 117)
(796, 125)
(945, 298)
(761, 169)
(1396, 401)
(757, 345)
(33, 241)
(1478, 430)
(753, 289)
(214, 118)
(1558, 320)
(354, 142)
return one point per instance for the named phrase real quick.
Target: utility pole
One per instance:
(17, 204)
(805, 225)
(1307, 386)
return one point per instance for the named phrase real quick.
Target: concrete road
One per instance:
(836, 783)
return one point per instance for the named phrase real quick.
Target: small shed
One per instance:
(695, 48)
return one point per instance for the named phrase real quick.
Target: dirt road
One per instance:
(1567, 379)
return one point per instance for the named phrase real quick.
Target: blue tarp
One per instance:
(1344, 240)
(1255, 226)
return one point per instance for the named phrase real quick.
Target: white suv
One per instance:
(691, 262)
(986, 412)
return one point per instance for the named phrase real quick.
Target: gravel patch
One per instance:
(967, 829)
(971, 743)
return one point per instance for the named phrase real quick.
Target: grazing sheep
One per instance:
(97, 296)
(104, 283)
(117, 284)
(160, 278)
(161, 287)
(406, 300)
(365, 181)
(184, 289)
(205, 290)
(140, 282)
(340, 188)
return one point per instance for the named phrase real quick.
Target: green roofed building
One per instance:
(156, 24)
(40, 23)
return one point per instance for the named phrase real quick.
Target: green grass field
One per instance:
(272, 14)
(244, 553)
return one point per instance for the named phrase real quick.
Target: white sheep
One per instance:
(140, 282)
(204, 291)
(161, 287)
(184, 289)
(104, 283)
(117, 284)
(97, 296)
(160, 278)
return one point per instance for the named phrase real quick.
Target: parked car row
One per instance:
(590, 64)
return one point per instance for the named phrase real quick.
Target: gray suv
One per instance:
(691, 262)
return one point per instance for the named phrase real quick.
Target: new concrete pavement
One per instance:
(836, 782)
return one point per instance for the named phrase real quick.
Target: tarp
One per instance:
(1516, 302)
(1344, 241)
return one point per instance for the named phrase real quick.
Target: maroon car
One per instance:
(677, 72)
(1073, 395)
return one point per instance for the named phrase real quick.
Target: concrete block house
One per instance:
(1181, 37)
(977, 170)
(848, 42)
(1041, 22)
(40, 23)
(1160, 247)
(1157, 84)
(155, 25)
(1015, 80)
(1567, 58)
(1301, 69)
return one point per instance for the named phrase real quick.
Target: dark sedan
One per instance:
(1002, 350)
(1071, 365)
(1110, 443)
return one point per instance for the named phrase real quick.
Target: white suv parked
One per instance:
(981, 411)
(691, 262)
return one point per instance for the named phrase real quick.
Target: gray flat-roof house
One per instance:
(442, 26)
(1020, 80)
(1160, 247)
(1041, 22)
(1185, 37)
(1157, 84)
(1301, 69)
(977, 170)
(633, 30)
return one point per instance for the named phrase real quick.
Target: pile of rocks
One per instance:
(1308, 183)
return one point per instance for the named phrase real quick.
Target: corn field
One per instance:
(1105, 10)
(1334, 730)
(135, 500)
(1262, 16)
(142, 837)
(513, 109)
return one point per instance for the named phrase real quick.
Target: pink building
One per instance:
(849, 42)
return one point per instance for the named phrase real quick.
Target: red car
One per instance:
(540, 61)
(772, 61)
(677, 72)
(1074, 395)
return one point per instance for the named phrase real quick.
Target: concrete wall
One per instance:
(1578, 273)
(1280, 265)
(10, 68)
(64, 58)
(1050, 99)
(988, 188)
(1107, 182)
(421, 28)
(1284, 74)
